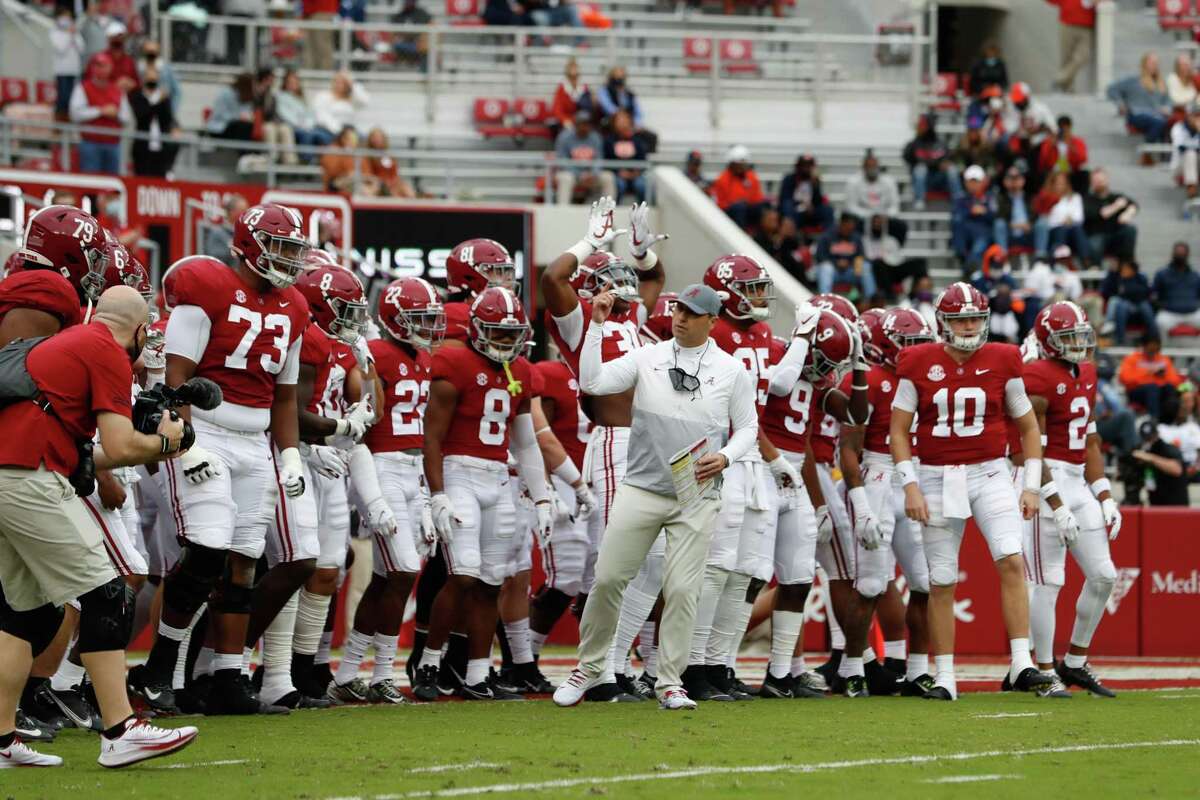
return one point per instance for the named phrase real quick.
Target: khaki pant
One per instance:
(318, 44)
(637, 517)
(51, 550)
(284, 138)
(1074, 53)
(565, 181)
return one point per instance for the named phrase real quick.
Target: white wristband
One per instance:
(1100, 486)
(567, 472)
(858, 500)
(343, 427)
(581, 250)
(1048, 489)
(289, 458)
(1091, 428)
(646, 262)
(907, 473)
(1033, 474)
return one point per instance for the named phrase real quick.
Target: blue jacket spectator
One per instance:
(614, 96)
(1143, 100)
(841, 260)
(1177, 291)
(1128, 294)
(973, 219)
(802, 199)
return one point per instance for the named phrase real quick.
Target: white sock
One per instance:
(179, 678)
(785, 632)
(896, 649)
(353, 651)
(174, 634)
(945, 674)
(837, 639)
(477, 670)
(385, 657)
(650, 665)
(536, 641)
(1074, 661)
(1089, 610)
(517, 633)
(636, 606)
(324, 649)
(1042, 603)
(739, 633)
(799, 666)
(247, 656)
(869, 655)
(310, 622)
(1020, 657)
(277, 652)
(430, 658)
(67, 676)
(645, 639)
(706, 609)
(725, 623)
(916, 666)
(226, 661)
(851, 667)
(204, 662)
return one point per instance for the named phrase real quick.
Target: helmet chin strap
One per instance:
(87, 315)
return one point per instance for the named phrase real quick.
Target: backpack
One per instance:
(16, 383)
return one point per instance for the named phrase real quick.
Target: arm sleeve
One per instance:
(187, 332)
(598, 378)
(529, 457)
(570, 327)
(1015, 399)
(79, 109)
(291, 365)
(905, 398)
(785, 374)
(363, 476)
(743, 418)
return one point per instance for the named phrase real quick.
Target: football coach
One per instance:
(51, 550)
(686, 389)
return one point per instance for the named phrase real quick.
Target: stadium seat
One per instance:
(463, 13)
(14, 90)
(46, 92)
(491, 117)
(736, 55)
(534, 113)
(697, 54)
(1184, 330)
(946, 91)
(1177, 15)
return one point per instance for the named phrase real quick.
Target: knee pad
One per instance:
(942, 556)
(191, 581)
(231, 598)
(871, 586)
(38, 626)
(105, 618)
(1106, 578)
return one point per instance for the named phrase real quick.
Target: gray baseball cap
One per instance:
(701, 299)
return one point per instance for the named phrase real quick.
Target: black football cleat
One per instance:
(881, 681)
(532, 681)
(938, 693)
(856, 686)
(500, 691)
(504, 681)
(45, 710)
(739, 689)
(425, 685)
(646, 683)
(829, 669)
(1031, 678)
(448, 680)
(609, 693)
(697, 687)
(1084, 678)
(154, 691)
(480, 691)
(809, 686)
(29, 729)
(72, 704)
(629, 685)
(776, 688)
(917, 687)
(296, 700)
(1006, 684)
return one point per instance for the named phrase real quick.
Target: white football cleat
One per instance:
(676, 700)
(18, 754)
(570, 692)
(142, 741)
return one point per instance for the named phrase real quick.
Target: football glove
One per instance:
(199, 465)
(545, 521)
(380, 518)
(585, 501)
(328, 461)
(444, 518)
(786, 476)
(291, 472)
(600, 230)
(426, 533)
(807, 316)
(824, 525)
(1112, 517)
(866, 525)
(1066, 525)
(352, 427)
(642, 237)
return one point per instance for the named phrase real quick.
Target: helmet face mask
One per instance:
(1075, 344)
(962, 340)
(282, 258)
(503, 275)
(754, 297)
(1063, 332)
(960, 302)
(479, 264)
(350, 316)
(426, 328)
(499, 328)
(410, 311)
(615, 276)
(829, 355)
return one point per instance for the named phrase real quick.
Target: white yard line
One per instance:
(601, 780)
(456, 767)
(1003, 715)
(971, 778)
(199, 764)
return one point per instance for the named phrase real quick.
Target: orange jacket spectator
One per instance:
(728, 189)
(1140, 368)
(1081, 13)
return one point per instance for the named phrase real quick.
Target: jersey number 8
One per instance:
(494, 421)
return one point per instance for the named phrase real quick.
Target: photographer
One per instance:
(1165, 478)
(51, 549)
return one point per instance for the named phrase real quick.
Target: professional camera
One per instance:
(151, 404)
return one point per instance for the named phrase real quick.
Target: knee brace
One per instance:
(231, 598)
(38, 626)
(192, 580)
(105, 618)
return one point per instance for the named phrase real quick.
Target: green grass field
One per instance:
(1143, 744)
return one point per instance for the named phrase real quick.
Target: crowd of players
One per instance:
(459, 455)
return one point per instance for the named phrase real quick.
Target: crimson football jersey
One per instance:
(481, 422)
(960, 407)
(405, 391)
(250, 331)
(341, 361)
(620, 334)
(570, 424)
(1070, 399)
(41, 290)
(458, 321)
(881, 388)
(316, 351)
(825, 431)
(786, 419)
(751, 346)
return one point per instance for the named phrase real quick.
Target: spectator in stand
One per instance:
(1128, 294)
(236, 32)
(292, 109)
(1076, 19)
(1115, 422)
(337, 107)
(1063, 152)
(614, 96)
(1147, 373)
(95, 40)
(1029, 112)
(1185, 144)
(152, 116)
(692, 171)
(920, 299)
(1166, 479)
(991, 113)
(989, 70)
(338, 168)
(973, 220)
(1181, 83)
(802, 200)
(505, 12)
(737, 190)
(973, 148)
(232, 114)
(1051, 281)
(871, 194)
(319, 43)
(216, 238)
(274, 130)
(124, 69)
(384, 168)
(777, 235)
(554, 13)
(98, 102)
(166, 73)
(412, 48)
(584, 146)
(1108, 220)
(885, 256)
(67, 44)
(841, 262)
(1015, 218)
(1180, 429)
(622, 145)
(1004, 324)
(1063, 221)
(570, 96)
(1176, 291)
(929, 161)
(1142, 99)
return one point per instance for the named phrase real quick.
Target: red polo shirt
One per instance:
(82, 371)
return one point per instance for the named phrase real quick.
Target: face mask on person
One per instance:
(924, 297)
(134, 351)
(150, 57)
(871, 172)
(1178, 261)
(64, 23)
(151, 86)
(617, 83)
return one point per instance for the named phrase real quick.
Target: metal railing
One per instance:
(517, 62)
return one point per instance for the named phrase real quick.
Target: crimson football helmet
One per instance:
(410, 311)
(604, 272)
(476, 264)
(870, 329)
(962, 301)
(269, 240)
(336, 299)
(829, 355)
(14, 263)
(1063, 331)
(657, 327)
(499, 327)
(168, 278)
(320, 257)
(903, 327)
(837, 304)
(71, 241)
(745, 287)
(124, 269)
